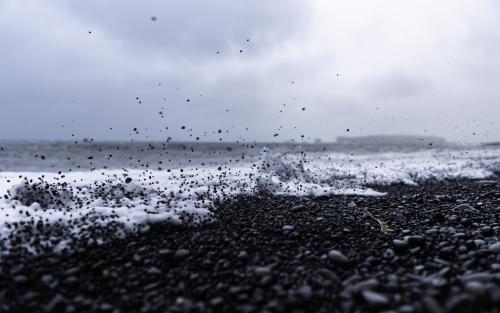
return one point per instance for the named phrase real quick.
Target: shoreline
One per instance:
(283, 254)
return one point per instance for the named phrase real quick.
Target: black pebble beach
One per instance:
(286, 254)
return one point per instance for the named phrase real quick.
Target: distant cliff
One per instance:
(392, 140)
(493, 144)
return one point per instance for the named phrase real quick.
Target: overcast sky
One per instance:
(312, 68)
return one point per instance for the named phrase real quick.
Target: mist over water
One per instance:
(88, 155)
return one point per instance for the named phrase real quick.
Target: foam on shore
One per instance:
(129, 200)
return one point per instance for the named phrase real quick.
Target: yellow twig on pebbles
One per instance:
(384, 227)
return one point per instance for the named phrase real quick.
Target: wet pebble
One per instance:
(337, 256)
(262, 270)
(374, 298)
(495, 247)
(181, 253)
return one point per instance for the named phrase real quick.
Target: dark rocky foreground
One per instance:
(285, 254)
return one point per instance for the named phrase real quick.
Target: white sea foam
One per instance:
(77, 201)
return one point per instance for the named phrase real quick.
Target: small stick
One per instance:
(384, 227)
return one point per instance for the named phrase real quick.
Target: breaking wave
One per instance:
(62, 208)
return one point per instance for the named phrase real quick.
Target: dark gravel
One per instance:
(286, 254)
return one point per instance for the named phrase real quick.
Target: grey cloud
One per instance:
(192, 28)
(396, 84)
(54, 73)
(58, 73)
